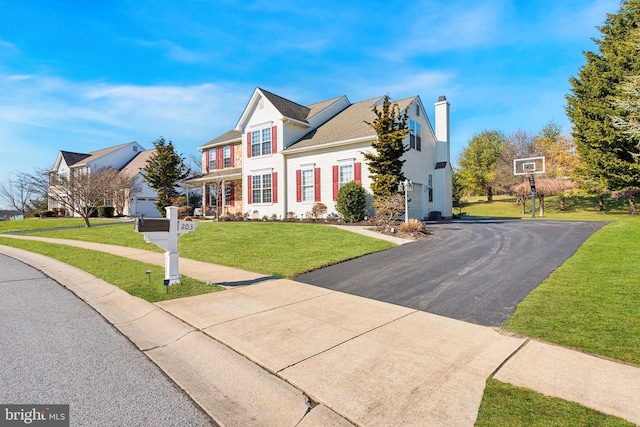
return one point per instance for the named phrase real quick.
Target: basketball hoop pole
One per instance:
(532, 182)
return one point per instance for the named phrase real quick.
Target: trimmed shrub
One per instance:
(106, 211)
(184, 211)
(351, 203)
(318, 210)
(47, 214)
(413, 226)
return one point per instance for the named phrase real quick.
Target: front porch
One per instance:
(221, 192)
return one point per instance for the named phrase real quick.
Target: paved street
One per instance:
(471, 270)
(57, 350)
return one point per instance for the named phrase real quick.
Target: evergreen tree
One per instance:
(163, 171)
(385, 164)
(608, 155)
(478, 162)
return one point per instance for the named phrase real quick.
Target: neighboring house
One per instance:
(128, 158)
(282, 158)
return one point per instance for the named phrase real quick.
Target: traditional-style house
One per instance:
(127, 158)
(282, 157)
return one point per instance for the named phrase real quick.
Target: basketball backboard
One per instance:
(528, 166)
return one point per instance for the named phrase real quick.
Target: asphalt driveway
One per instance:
(471, 270)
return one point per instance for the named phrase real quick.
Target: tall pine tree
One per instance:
(608, 155)
(385, 163)
(163, 171)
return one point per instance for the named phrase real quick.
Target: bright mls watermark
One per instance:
(34, 415)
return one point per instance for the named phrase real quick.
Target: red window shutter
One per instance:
(335, 183)
(232, 162)
(249, 192)
(232, 195)
(219, 158)
(298, 185)
(207, 195)
(357, 172)
(248, 145)
(206, 160)
(274, 187)
(274, 139)
(316, 184)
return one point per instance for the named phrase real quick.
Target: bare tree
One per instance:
(544, 187)
(124, 188)
(80, 192)
(18, 192)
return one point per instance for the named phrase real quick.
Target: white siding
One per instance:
(419, 164)
(325, 160)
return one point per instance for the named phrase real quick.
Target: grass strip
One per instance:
(505, 405)
(592, 301)
(128, 275)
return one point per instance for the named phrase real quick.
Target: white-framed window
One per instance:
(345, 174)
(212, 159)
(261, 188)
(228, 194)
(261, 142)
(415, 135)
(308, 194)
(430, 186)
(227, 156)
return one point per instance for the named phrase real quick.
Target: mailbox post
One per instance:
(164, 233)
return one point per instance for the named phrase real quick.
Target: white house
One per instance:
(282, 157)
(127, 158)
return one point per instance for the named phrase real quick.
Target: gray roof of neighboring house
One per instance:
(138, 162)
(94, 155)
(350, 123)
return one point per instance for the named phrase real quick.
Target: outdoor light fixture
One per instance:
(406, 186)
(148, 272)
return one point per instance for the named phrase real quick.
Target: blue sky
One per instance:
(84, 75)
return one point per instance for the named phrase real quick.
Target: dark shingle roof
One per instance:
(287, 108)
(72, 158)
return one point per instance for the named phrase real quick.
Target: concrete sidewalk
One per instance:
(279, 352)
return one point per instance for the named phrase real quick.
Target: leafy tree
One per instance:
(608, 155)
(478, 161)
(385, 164)
(351, 203)
(163, 171)
(457, 188)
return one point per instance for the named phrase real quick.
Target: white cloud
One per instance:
(50, 114)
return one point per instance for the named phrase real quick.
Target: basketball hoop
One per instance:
(530, 167)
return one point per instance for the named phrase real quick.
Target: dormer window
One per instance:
(261, 142)
(135, 148)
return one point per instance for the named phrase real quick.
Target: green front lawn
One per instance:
(282, 249)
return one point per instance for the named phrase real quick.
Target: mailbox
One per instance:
(151, 225)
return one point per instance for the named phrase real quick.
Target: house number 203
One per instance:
(186, 226)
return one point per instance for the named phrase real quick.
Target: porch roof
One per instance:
(227, 174)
